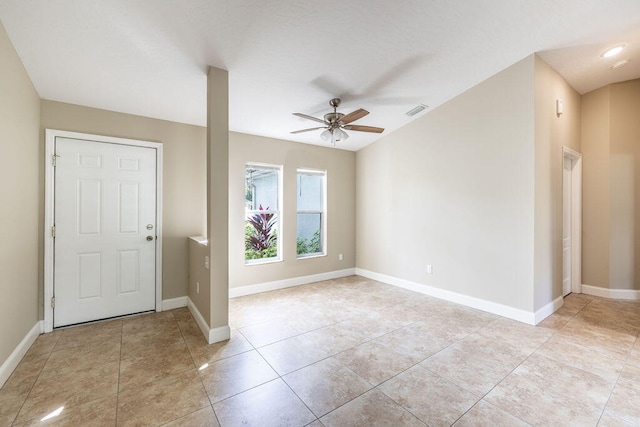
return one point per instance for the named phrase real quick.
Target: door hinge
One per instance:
(54, 159)
(53, 231)
(53, 302)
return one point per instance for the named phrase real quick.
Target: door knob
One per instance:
(149, 238)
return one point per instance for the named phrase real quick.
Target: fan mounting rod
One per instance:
(334, 118)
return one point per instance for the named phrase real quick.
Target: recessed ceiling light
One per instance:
(613, 51)
(619, 64)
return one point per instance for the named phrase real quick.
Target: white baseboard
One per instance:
(46, 327)
(480, 304)
(170, 304)
(211, 335)
(625, 294)
(287, 283)
(221, 333)
(18, 353)
(548, 310)
(202, 324)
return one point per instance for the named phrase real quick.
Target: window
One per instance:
(262, 213)
(311, 202)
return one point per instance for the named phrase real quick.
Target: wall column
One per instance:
(218, 201)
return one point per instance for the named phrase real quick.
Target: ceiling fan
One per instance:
(335, 124)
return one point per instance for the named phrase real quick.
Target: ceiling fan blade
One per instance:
(304, 116)
(354, 115)
(307, 130)
(364, 128)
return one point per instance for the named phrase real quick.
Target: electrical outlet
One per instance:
(206, 262)
(340, 257)
(429, 269)
(197, 287)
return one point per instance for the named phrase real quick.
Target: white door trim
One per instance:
(576, 217)
(49, 203)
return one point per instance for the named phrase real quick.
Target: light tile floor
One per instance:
(343, 352)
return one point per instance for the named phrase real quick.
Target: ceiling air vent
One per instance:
(416, 110)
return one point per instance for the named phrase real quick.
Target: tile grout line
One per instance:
(476, 331)
(583, 313)
(280, 377)
(318, 361)
(482, 398)
(374, 387)
(119, 372)
(626, 361)
(419, 364)
(615, 384)
(556, 331)
(35, 381)
(617, 378)
(359, 344)
(196, 368)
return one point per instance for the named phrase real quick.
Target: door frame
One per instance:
(49, 211)
(576, 216)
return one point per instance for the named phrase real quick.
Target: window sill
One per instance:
(311, 256)
(260, 262)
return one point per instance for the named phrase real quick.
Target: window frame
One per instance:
(277, 212)
(323, 212)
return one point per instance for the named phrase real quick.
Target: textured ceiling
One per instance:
(150, 57)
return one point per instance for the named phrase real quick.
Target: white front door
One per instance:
(567, 214)
(105, 230)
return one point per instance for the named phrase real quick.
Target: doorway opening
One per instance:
(571, 221)
(102, 227)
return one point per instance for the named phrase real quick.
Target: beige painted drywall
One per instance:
(340, 167)
(455, 189)
(595, 188)
(184, 175)
(218, 198)
(624, 184)
(199, 280)
(552, 132)
(611, 206)
(19, 182)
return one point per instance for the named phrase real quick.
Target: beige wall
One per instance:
(19, 182)
(184, 175)
(218, 201)
(551, 134)
(340, 167)
(455, 189)
(624, 164)
(199, 280)
(611, 218)
(595, 187)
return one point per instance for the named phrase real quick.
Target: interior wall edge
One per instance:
(19, 190)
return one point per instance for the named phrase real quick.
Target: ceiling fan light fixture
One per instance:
(340, 135)
(326, 135)
(613, 51)
(335, 123)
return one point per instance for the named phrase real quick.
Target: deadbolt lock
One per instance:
(149, 226)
